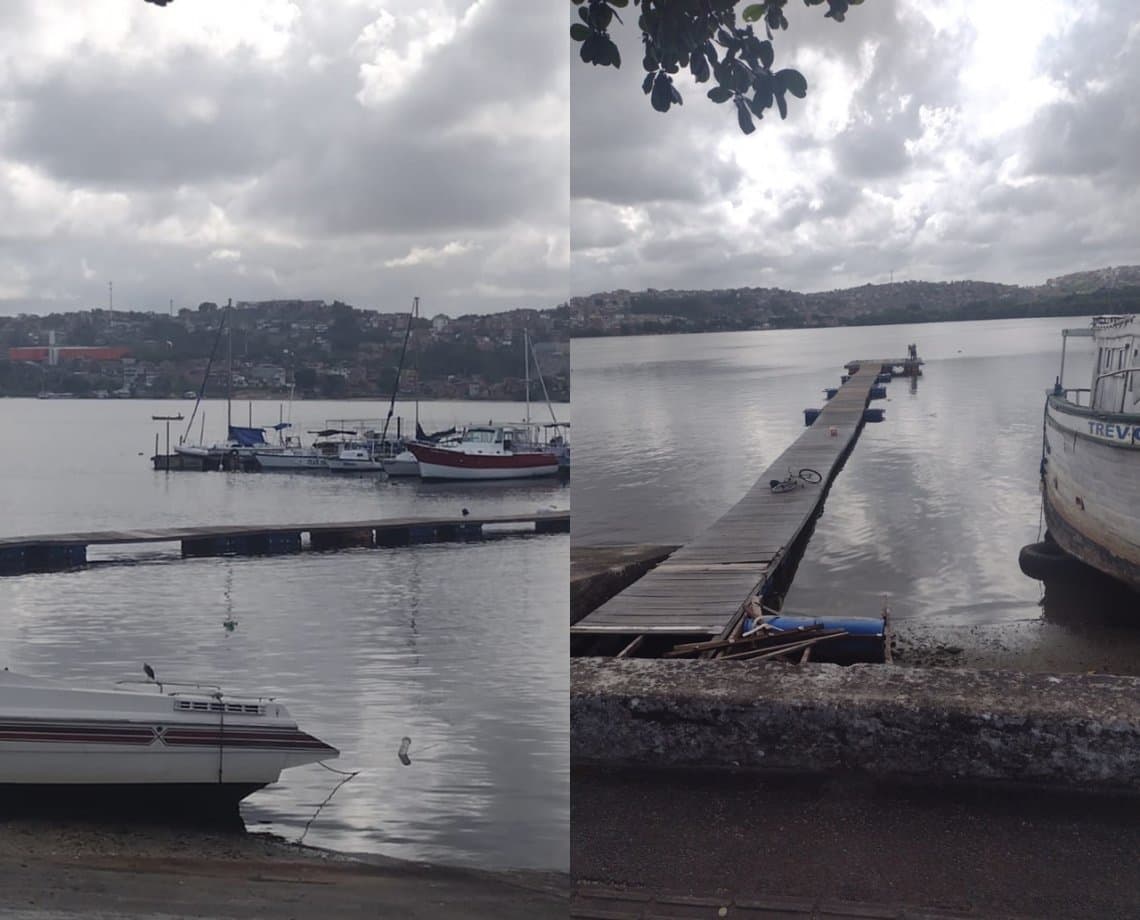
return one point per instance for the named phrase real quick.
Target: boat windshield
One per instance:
(482, 435)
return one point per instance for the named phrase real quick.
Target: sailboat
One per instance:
(405, 463)
(557, 434)
(243, 443)
(484, 452)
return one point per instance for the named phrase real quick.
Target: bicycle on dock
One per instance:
(795, 480)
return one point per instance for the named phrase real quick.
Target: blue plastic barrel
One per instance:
(865, 640)
(856, 626)
(810, 415)
(878, 392)
(831, 391)
(873, 415)
(885, 377)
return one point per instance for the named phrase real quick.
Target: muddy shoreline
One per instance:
(50, 865)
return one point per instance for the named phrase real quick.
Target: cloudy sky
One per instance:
(366, 150)
(940, 140)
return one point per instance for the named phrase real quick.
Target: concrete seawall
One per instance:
(936, 724)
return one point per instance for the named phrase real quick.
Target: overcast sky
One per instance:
(366, 150)
(940, 139)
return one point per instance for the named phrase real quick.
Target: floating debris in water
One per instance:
(405, 743)
(229, 623)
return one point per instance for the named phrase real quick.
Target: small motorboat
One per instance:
(153, 744)
(355, 458)
(402, 464)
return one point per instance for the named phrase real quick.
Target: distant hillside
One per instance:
(1107, 290)
(1100, 279)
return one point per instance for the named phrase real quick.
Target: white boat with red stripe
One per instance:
(485, 452)
(188, 745)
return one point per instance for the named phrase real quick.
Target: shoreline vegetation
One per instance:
(663, 312)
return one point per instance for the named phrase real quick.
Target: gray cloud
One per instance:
(931, 145)
(1094, 131)
(362, 153)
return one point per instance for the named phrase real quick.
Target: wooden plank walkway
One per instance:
(194, 532)
(53, 552)
(701, 587)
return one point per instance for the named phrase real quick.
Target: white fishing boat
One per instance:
(144, 742)
(558, 443)
(356, 458)
(402, 464)
(1090, 464)
(292, 458)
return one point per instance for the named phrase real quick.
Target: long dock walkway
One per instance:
(700, 589)
(51, 552)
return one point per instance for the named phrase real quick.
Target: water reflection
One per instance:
(1087, 601)
(931, 508)
(460, 647)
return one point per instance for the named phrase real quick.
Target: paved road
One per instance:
(724, 845)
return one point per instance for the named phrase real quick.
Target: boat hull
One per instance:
(196, 802)
(1091, 487)
(399, 466)
(338, 465)
(52, 734)
(441, 463)
(49, 751)
(285, 461)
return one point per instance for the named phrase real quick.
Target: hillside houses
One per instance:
(310, 348)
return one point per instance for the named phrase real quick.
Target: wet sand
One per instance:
(52, 868)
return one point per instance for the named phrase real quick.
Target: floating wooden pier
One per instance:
(699, 592)
(53, 552)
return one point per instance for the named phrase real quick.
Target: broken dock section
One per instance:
(55, 552)
(700, 592)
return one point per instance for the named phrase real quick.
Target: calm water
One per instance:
(931, 508)
(463, 648)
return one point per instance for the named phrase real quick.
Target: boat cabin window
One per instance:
(482, 435)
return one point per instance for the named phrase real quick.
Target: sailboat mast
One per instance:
(526, 363)
(416, 359)
(230, 370)
(399, 369)
(205, 378)
(542, 380)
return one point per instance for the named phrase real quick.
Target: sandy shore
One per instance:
(54, 868)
